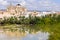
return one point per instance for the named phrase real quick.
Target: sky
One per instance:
(42, 5)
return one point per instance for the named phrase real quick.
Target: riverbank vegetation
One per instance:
(48, 23)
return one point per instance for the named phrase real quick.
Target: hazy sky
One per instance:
(33, 4)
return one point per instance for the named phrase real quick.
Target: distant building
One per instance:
(11, 10)
(19, 10)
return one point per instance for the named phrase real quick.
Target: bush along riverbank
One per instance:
(48, 23)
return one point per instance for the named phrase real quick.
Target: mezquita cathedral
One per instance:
(19, 10)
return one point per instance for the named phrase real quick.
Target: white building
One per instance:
(19, 10)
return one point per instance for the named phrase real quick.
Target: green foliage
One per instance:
(48, 19)
(49, 23)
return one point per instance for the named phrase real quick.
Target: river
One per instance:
(7, 35)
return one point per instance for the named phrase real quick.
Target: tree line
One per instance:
(47, 19)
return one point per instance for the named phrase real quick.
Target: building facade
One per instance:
(19, 10)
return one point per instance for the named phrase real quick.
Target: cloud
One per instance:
(3, 2)
(34, 4)
(42, 5)
(37, 5)
(23, 3)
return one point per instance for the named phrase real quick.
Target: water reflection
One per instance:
(22, 32)
(23, 36)
(37, 36)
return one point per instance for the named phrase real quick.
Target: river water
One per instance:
(23, 36)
